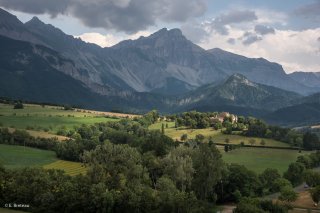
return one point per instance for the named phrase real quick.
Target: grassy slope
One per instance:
(13, 157)
(19, 156)
(49, 117)
(258, 159)
(217, 136)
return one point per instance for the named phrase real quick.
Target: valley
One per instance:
(157, 122)
(155, 135)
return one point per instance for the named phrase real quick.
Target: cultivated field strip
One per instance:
(70, 168)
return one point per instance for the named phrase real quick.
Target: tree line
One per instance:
(307, 140)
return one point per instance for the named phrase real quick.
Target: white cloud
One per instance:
(295, 50)
(99, 39)
(138, 34)
(109, 39)
(271, 17)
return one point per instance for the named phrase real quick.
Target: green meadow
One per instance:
(47, 118)
(13, 157)
(258, 159)
(19, 156)
(216, 135)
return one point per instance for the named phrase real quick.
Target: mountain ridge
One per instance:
(238, 91)
(132, 64)
(163, 71)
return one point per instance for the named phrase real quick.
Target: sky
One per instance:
(282, 31)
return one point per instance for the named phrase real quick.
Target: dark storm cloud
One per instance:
(264, 30)
(194, 32)
(231, 41)
(250, 38)
(181, 10)
(122, 15)
(234, 17)
(37, 6)
(309, 11)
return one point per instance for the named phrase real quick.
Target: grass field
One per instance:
(13, 157)
(48, 117)
(71, 168)
(237, 139)
(41, 134)
(258, 159)
(216, 135)
(19, 156)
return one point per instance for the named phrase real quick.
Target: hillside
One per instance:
(32, 72)
(303, 111)
(237, 94)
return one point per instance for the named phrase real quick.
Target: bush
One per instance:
(18, 105)
(67, 107)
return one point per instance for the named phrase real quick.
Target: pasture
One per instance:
(19, 156)
(47, 118)
(14, 157)
(216, 135)
(258, 159)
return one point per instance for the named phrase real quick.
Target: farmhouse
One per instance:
(222, 116)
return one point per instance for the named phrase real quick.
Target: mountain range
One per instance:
(163, 71)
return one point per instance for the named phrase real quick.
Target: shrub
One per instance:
(18, 105)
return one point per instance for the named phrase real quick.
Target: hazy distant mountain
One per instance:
(258, 70)
(310, 79)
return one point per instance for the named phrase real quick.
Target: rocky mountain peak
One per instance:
(5, 15)
(164, 32)
(36, 25)
(238, 78)
(163, 38)
(35, 21)
(8, 20)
